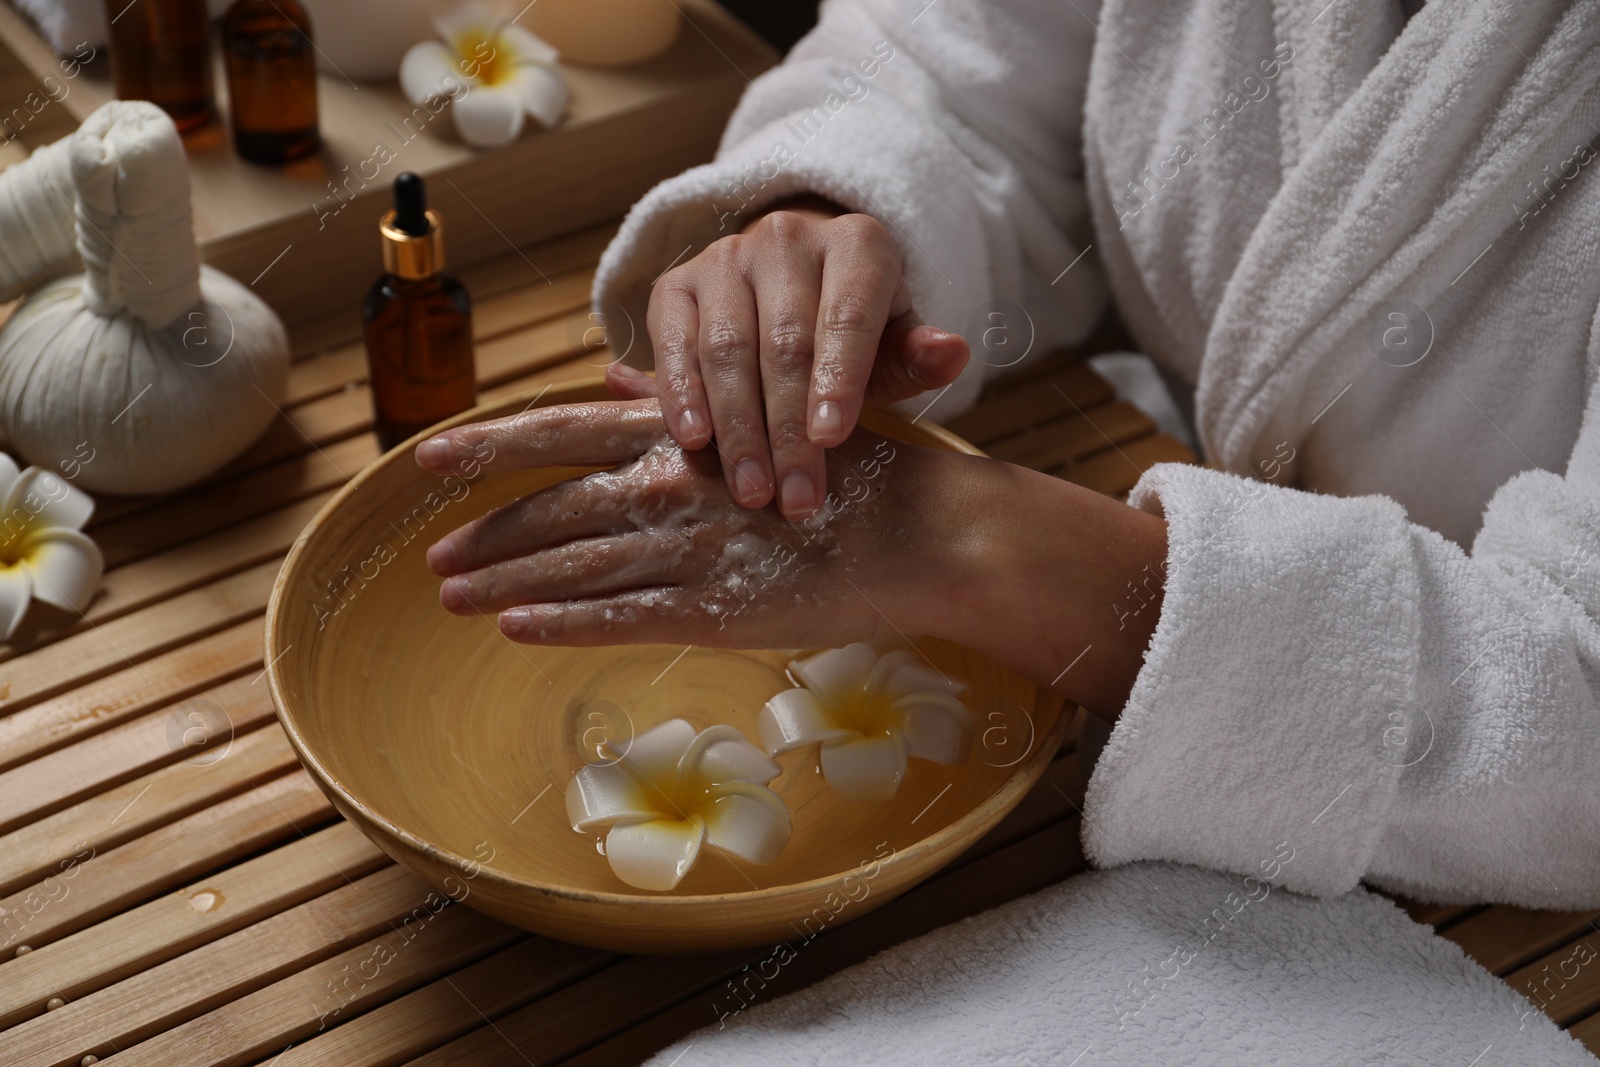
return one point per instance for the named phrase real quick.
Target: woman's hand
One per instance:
(1054, 580)
(654, 549)
(769, 342)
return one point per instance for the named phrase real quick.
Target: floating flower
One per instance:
(869, 713)
(674, 790)
(494, 72)
(43, 554)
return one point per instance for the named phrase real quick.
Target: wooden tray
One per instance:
(305, 235)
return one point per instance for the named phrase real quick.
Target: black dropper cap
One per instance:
(410, 205)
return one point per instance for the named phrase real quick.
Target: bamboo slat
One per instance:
(149, 526)
(325, 994)
(1432, 914)
(1007, 411)
(178, 570)
(194, 563)
(572, 371)
(320, 422)
(115, 698)
(446, 1009)
(1588, 1033)
(486, 279)
(118, 815)
(123, 642)
(1081, 435)
(214, 972)
(337, 368)
(176, 923)
(1565, 984)
(1116, 470)
(189, 730)
(591, 1009)
(1505, 938)
(105, 883)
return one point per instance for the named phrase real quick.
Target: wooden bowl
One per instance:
(451, 747)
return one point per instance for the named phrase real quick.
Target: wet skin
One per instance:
(654, 548)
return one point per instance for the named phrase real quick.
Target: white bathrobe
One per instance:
(1372, 249)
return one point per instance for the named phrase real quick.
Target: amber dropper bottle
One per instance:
(418, 324)
(272, 80)
(161, 52)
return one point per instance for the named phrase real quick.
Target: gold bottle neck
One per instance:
(412, 257)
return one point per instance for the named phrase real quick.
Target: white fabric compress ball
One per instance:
(161, 370)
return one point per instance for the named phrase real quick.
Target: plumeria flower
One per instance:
(43, 554)
(495, 73)
(869, 713)
(673, 791)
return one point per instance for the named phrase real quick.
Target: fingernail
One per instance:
(435, 452)
(441, 557)
(453, 594)
(628, 372)
(751, 480)
(515, 620)
(692, 428)
(826, 422)
(799, 495)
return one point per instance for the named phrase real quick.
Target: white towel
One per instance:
(1145, 966)
(1328, 668)
(1374, 247)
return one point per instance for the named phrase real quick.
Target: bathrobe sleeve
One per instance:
(956, 123)
(1332, 683)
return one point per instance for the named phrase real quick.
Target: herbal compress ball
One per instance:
(159, 368)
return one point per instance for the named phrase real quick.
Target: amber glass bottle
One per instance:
(418, 323)
(161, 52)
(272, 80)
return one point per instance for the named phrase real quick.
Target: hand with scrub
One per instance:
(653, 548)
(769, 342)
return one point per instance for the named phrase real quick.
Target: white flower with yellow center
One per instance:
(869, 713)
(673, 791)
(494, 73)
(43, 554)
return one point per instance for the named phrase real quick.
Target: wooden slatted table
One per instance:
(177, 891)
